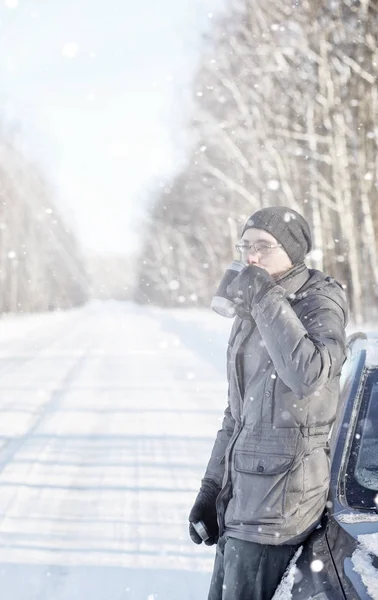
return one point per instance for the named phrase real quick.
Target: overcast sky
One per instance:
(100, 90)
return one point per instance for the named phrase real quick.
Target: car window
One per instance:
(366, 470)
(362, 471)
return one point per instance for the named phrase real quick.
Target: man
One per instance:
(266, 483)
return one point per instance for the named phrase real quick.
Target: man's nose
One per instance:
(252, 258)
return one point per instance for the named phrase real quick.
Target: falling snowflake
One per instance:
(316, 254)
(273, 184)
(289, 216)
(174, 284)
(70, 50)
(316, 566)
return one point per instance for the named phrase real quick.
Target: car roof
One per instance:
(365, 340)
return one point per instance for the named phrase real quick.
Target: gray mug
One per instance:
(222, 303)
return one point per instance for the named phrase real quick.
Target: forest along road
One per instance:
(108, 417)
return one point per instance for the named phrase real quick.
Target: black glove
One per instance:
(204, 510)
(250, 286)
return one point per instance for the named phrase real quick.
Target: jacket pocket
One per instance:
(262, 464)
(259, 487)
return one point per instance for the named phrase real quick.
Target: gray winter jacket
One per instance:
(271, 456)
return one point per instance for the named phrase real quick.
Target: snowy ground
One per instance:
(108, 416)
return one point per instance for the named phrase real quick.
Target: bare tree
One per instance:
(286, 114)
(41, 267)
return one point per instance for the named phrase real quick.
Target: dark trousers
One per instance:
(247, 571)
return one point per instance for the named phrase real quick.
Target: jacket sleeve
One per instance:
(215, 467)
(309, 352)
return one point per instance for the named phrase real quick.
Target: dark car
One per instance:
(339, 560)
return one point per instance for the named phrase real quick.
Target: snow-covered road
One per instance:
(108, 416)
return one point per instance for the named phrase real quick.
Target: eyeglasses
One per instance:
(261, 248)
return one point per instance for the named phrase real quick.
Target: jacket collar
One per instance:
(294, 279)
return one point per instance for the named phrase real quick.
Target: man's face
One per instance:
(270, 255)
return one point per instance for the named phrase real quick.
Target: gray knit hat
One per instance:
(289, 228)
